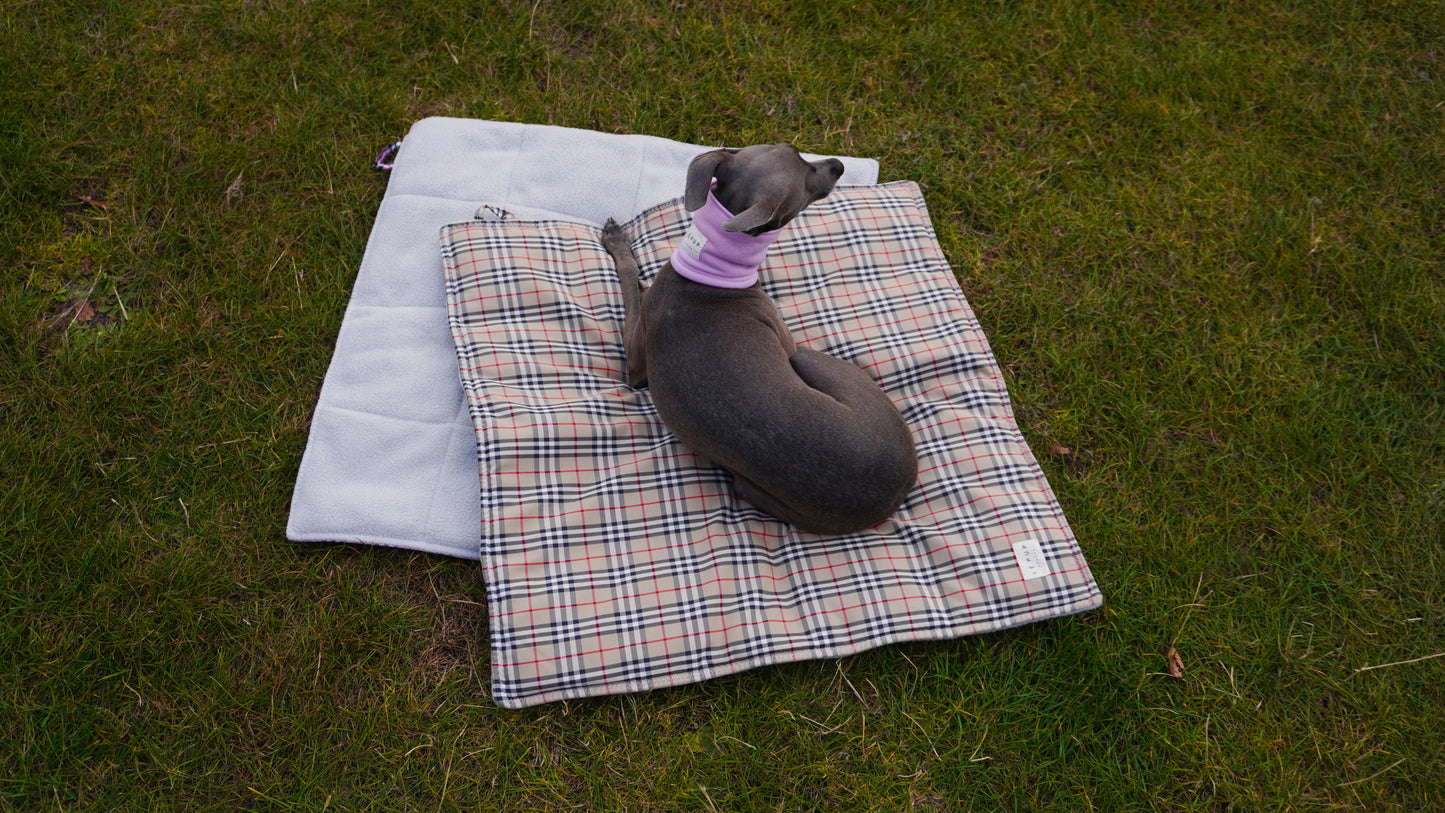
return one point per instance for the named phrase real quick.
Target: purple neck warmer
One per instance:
(710, 255)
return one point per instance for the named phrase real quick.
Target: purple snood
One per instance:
(711, 255)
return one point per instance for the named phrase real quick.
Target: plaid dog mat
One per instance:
(617, 561)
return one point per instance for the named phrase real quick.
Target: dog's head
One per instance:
(763, 186)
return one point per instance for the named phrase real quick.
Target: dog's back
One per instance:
(811, 438)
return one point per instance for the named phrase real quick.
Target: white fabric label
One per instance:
(1031, 560)
(693, 242)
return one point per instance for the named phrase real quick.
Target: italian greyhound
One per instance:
(808, 438)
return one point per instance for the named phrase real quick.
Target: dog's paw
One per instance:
(614, 237)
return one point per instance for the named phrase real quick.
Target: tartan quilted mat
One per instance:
(617, 561)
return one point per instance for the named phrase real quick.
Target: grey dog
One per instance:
(808, 438)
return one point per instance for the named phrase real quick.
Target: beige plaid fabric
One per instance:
(617, 561)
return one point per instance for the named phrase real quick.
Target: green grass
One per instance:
(1205, 240)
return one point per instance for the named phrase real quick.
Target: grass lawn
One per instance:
(1205, 240)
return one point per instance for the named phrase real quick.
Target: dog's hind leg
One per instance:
(882, 442)
(814, 519)
(851, 386)
(754, 494)
(619, 245)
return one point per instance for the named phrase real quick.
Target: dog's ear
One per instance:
(699, 177)
(755, 216)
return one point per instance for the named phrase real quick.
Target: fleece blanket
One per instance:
(617, 561)
(391, 458)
